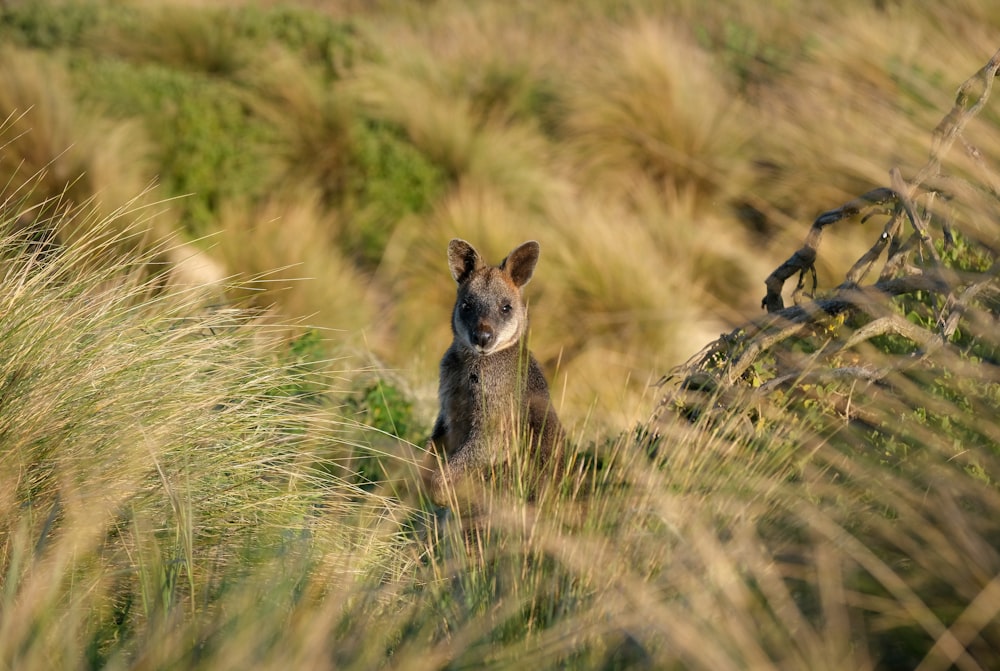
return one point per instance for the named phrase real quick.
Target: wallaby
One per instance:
(492, 391)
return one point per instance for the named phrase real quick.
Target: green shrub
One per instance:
(209, 147)
(314, 36)
(54, 24)
(393, 179)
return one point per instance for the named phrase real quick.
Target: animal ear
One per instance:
(462, 259)
(520, 263)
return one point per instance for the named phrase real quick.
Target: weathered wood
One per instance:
(918, 212)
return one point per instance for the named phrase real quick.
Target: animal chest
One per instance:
(486, 400)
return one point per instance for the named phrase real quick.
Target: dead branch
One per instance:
(919, 215)
(804, 259)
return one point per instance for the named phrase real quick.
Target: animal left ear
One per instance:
(520, 263)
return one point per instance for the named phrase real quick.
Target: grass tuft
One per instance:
(655, 106)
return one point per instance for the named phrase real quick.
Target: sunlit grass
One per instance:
(656, 104)
(286, 251)
(718, 129)
(186, 479)
(174, 499)
(147, 445)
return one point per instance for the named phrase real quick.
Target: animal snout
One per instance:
(483, 335)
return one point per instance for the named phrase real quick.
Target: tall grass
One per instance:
(55, 147)
(716, 129)
(149, 448)
(172, 498)
(188, 484)
(165, 510)
(286, 249)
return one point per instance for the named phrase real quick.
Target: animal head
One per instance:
(490, 314)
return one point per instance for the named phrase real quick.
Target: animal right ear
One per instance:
(462, 259)
(520, 263)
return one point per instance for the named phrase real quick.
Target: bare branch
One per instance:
(804, 258)
(971, 97)
(912, 264)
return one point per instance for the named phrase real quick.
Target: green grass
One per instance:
(207, 147)
(224, 294)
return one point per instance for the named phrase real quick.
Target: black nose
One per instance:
(483, 336)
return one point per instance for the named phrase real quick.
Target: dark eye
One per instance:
(465, 307)
(506, 308)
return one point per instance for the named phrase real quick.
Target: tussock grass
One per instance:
(59, 155)
(654, 105)
(452, 123)
(856, 152)
(149, 449)
(198, 38)
(175, 500)
(287, 250)
(313, 119)
(188, 484)
(54, 147)
(436, 122)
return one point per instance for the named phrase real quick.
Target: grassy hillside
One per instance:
(647, 147)
(222, 270)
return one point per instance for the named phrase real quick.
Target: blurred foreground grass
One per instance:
(183, 489)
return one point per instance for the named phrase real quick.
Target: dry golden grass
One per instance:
(167, 501)
(56, 156)
(143, 438)
(655, 103)
(285, 253)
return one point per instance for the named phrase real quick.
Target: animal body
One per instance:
(492, 390)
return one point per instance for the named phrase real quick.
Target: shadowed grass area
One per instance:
(55, 147)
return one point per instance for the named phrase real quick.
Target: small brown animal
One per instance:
(492, 391)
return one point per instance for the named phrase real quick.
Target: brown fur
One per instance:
(492, 391)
